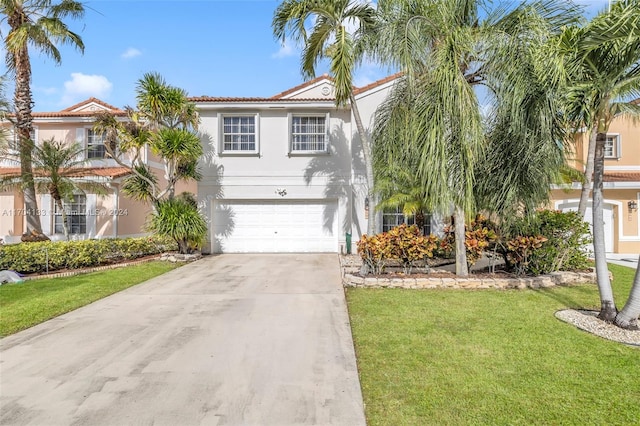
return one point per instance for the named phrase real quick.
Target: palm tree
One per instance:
(59, 172)
(447, 51)
(330, 39)
(39, 24)
(605, 72)
(166, 121)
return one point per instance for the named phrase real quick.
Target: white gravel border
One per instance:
(589, 321)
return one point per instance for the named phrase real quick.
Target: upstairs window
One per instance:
(239, 134)
(612, 146)
(14, 140)
(95, 145)
(309, 133)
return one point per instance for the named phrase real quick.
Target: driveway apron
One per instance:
(228, 340)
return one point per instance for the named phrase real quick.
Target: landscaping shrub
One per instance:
(564, 249)
(408, 246)
(375, 251)
(48, 255)
(180, 220)
(404, 244)
(479, 235)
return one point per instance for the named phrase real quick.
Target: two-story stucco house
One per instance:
(621, 185)
(286, 173)
(89, 215)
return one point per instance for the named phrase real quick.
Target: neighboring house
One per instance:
(89, 215)
(621, 186)
(286, 173)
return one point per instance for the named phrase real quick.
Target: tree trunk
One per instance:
(420, 221)
(588, 173)
(608, 309)
(65, 228)
(368, 163)
(628, 316)
(462, 269)
(23, 104)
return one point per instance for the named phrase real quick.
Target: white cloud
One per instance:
(131, 52)
(83, 86)
(286, 49)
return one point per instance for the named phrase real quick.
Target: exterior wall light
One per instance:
(633, 206)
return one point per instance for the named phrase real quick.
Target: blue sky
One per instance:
(207, 47)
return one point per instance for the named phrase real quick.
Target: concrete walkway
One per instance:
(228, 340)
(629, 260)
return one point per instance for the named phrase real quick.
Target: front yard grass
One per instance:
(32, 302)
(461, 357)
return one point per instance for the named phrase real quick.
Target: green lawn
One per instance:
(32, 302)
(439, 357)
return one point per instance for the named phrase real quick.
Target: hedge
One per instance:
(51, 256)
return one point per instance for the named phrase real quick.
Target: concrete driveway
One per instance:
(227, 340)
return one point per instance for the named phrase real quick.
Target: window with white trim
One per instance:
(76, 211)
(239, 134)
(395, 217)
(309, 133)
(612, 146)
(14, 140)
(95, 145)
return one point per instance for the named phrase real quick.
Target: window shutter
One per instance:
(46, 219)
(91, 200)
(327, 126)
(81, 139)
(290, 131)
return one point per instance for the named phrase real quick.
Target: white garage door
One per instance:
(275, 226)
(607, 214)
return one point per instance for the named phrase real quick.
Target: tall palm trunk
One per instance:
(462, 269)
(63, 212)
(607, 306)
(628, 316)
(588, 173)
(23, 103)
(368, 163)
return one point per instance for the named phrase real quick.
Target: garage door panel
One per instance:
(608, 217)
(275, 226)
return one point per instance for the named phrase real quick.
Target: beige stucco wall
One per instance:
(626, 223)
(629, 141)
(7, 214)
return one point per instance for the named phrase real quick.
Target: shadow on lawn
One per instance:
(573, 300)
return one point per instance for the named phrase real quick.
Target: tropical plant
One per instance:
(605, 71)
(179, 219)
(38, 24)
(166, 121)
(58, 172)
(432, 123)
(330, 38)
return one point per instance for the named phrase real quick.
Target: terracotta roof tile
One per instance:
(87, 102)
(254, 100)
(61, 114)
(302, 86)
(375, 84)
(622, 177)
(109, 172)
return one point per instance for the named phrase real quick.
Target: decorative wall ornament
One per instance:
(281, 191)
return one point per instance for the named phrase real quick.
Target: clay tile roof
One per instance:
(253, 100)
(70, 112)
(88, 101)
(108, 172)
(302, 86)
(622, 177)
(375, 84)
